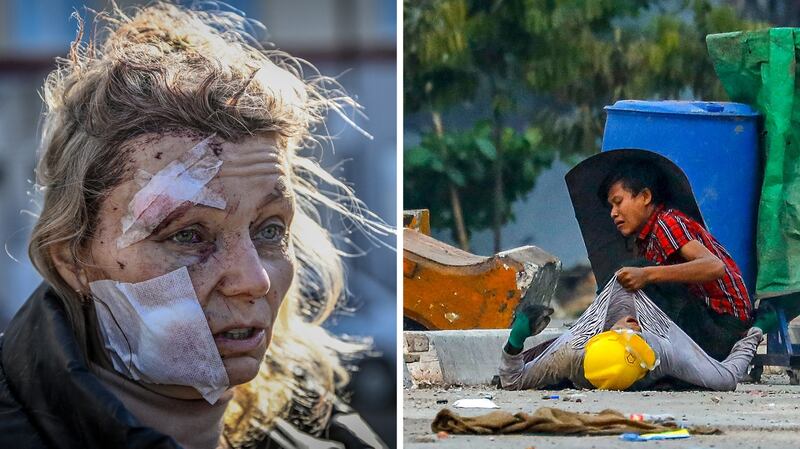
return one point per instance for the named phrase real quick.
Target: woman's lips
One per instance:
(229, 346)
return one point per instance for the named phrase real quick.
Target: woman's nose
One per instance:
(244, 273)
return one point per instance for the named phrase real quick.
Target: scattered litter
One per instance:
(574, 397)
(491, 438)
(487, 395)
(475, 403)
(656, 419)
(441, 401)
(669, 435)
(646, 394)
(551, 396)
(715, 399)
(771, 404)
(442, 435)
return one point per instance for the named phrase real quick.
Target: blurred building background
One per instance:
(351, 39)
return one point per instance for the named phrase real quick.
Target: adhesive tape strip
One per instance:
(182, 180)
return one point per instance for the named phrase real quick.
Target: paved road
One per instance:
(755, 416)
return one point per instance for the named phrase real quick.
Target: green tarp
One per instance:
(759, 68)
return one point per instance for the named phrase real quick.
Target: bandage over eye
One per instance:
(182, 180)
(155, 332)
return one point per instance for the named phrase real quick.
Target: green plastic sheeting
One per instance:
(759, 68)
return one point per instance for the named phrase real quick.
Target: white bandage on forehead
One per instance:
(182, 180)
(155, 332)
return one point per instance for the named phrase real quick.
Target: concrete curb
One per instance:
(460, 357)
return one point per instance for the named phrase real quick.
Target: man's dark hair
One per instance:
(635, 177)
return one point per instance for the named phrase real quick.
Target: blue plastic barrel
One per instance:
(716, 145)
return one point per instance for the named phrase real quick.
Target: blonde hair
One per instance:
(165, 67)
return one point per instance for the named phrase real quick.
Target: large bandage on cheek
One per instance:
(155, 332)
(182, 180)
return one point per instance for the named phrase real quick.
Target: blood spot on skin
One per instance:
(251, 301)
(158, 155)
(121, 265)
(232, 208)
(207, 252)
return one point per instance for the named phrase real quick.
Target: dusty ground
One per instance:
(766, 415)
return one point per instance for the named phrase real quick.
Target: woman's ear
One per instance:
(68, 268)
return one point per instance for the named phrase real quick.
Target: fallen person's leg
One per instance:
(681, 358)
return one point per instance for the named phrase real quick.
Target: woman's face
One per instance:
(239, 258)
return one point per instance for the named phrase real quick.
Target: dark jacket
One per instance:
(50, 399)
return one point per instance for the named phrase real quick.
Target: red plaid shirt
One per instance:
(663, 236)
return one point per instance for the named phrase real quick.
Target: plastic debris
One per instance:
(669, 435)
(655, 419)
(475, 403)
(442, 435)
(574, 398)
(551, 396)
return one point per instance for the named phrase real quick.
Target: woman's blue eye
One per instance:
(185, 236)
(272, 232)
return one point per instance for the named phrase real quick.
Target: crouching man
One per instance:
(623, 341)
(714, 307)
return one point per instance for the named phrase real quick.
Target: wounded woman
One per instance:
(186, 274)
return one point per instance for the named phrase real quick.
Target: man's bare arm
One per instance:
(700, 266)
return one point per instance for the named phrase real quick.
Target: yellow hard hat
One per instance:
(615, 359)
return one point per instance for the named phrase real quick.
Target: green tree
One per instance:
(595, 53)
(438, 73)
(466, 160)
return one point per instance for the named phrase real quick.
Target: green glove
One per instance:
(520, 330)
(528, 320)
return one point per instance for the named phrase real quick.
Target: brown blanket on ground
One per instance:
(551, 421)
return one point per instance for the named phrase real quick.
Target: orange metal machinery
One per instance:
(446, 288)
